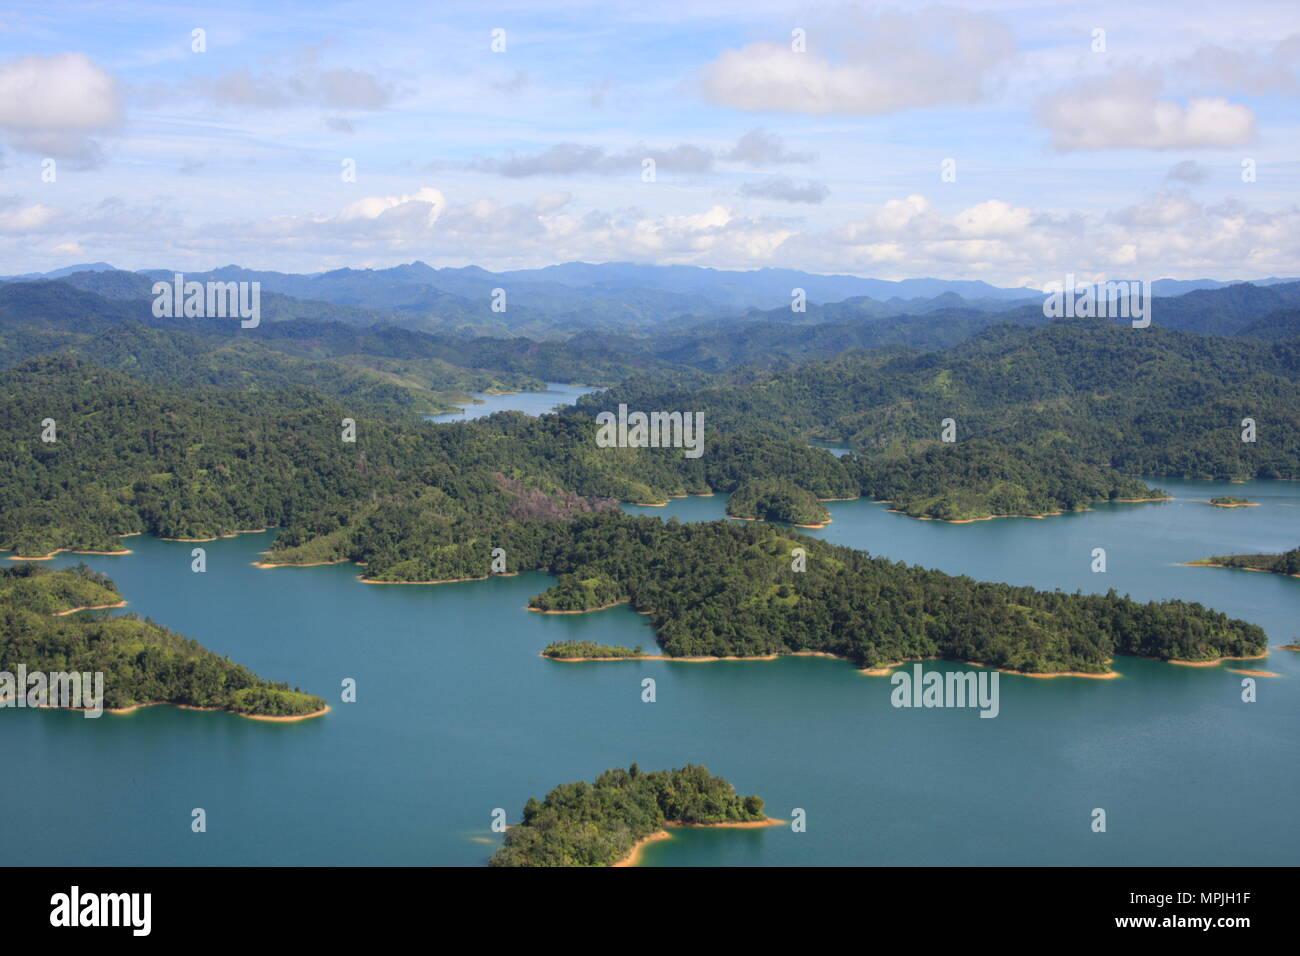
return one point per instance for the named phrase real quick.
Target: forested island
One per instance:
(720, 589)
(601, 823)
(1230, 501)
(142, 662)
(590, 651)
(1288, 562)
(983, 479)
(775, 499)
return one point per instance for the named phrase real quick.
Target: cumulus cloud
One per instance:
(785, 189)
(52, 105)
(390, 215)
(865, 64)
(1162, 234)
(1124, 111)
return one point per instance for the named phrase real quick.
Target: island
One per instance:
(1288, 562)
(606, 822)
(590, 651)
(1228, 501)
(776, 499)
(731, 591)
(142, 662)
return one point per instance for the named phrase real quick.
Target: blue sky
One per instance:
(1117, 162)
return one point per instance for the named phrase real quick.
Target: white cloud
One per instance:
(1125, 111)
(863, 65)
(50, 105)
(62, 92)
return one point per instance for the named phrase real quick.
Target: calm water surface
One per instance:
(457, 715)
(534, 403)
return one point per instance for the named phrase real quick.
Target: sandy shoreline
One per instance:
(166, 703)
(883, 670)
(89, 607)
(1206, 563)
(293, 719)
(50, 556)
(215, 537)
(886, 670)
(663, 657)
(589, 610)
(1214, 663)
(633, 857)
(1049, 514)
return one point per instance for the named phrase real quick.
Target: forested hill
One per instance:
(386, 368)
(142, 662)
(1144, 401)
(132, 456)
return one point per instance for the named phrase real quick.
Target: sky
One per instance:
(1005, 141)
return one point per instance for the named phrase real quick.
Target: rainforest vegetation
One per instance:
(1286, 563)
(420, 502)
(598, 824)
(589, 650)
(775, 499)
(142, 662)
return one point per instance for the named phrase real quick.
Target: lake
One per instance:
(533, 403)
(457, 714)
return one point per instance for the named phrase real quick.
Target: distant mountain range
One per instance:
(684, 314)
(575, 298)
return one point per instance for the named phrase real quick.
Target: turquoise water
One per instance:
(457, 715)
(534, 403)
(836, 448)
